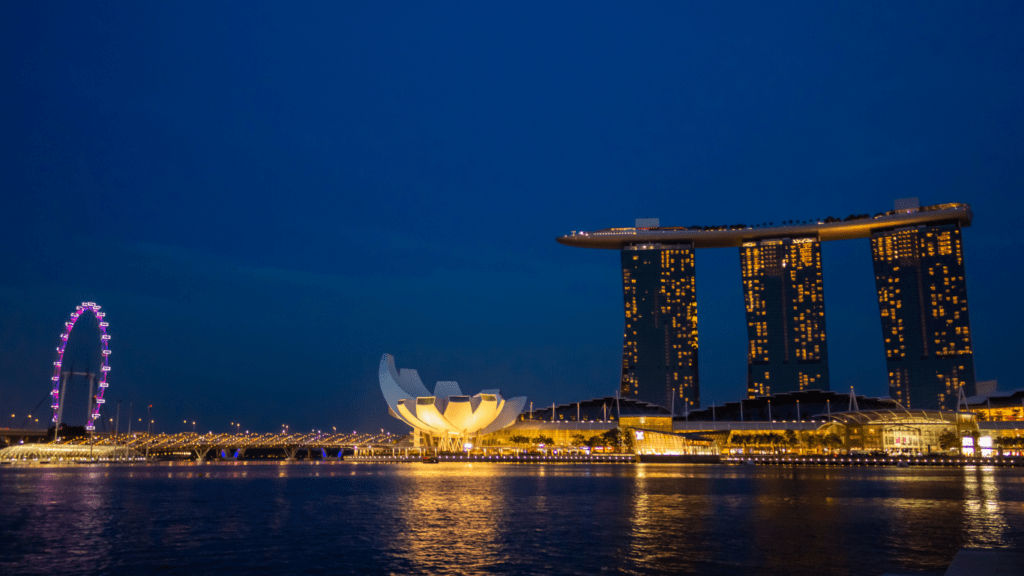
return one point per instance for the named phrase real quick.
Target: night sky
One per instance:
(265, 197)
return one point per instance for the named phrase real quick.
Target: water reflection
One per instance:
(501, 518)
(984, 524)
(451, 514)
(811, 520)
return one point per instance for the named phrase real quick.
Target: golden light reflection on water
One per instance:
(452, 513)
(479, 517)
(682, 517)
(984, 518)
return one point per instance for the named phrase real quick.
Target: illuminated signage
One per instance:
(967, 444)
(985, 443)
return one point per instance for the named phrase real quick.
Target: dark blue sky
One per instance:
(267, 197)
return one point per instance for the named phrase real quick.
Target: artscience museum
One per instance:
(446, 420)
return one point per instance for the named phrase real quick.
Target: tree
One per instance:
(627, 439)
(789, 439)
(813, 441)
(67, 432)
(578, 440)
(519, 439)
(832, 441)
(617, 439)
(948, 439)
(610, 439)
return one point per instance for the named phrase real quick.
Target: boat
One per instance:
(430, 459)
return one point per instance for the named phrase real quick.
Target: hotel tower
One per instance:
(919, 275)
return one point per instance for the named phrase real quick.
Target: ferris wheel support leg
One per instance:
(88, 417)
(60, 406)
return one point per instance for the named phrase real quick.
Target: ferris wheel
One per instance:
(95, 400)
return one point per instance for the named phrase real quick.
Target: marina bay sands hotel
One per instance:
(919, 276)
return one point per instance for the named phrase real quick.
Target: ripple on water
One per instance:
(501, 519)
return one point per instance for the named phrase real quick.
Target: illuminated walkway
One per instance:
(199, 445)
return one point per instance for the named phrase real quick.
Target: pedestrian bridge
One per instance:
(201, 446)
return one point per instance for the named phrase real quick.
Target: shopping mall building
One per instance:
(802, 422)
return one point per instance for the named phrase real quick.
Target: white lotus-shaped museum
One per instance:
(447, 414)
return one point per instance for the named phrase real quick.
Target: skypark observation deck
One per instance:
(733, 236)
(917, 255)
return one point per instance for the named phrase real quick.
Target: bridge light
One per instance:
(104, 324)
(105, 368)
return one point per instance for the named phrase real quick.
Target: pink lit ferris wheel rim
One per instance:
(104, 369)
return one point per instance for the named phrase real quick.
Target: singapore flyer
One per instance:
(58, 394)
